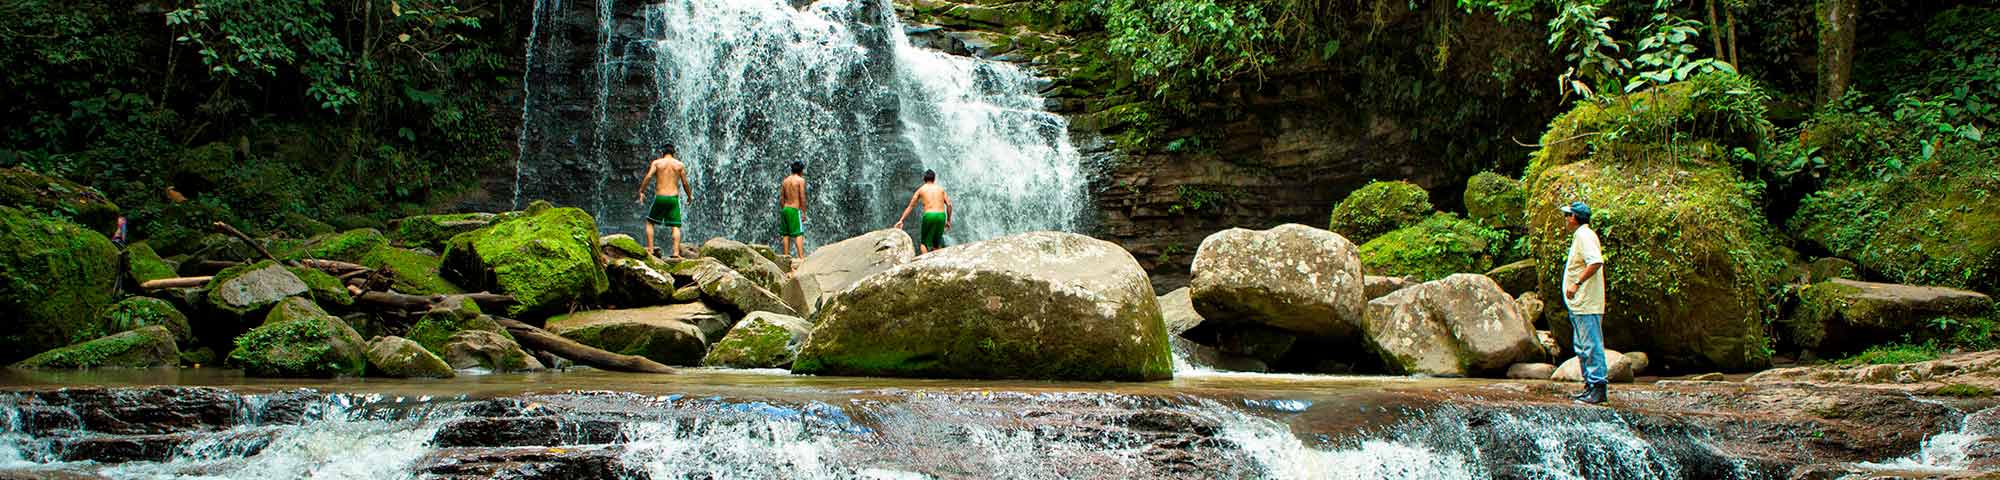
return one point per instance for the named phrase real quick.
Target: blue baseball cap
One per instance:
(1579, 209)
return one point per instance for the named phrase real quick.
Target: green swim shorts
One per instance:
(791, 227)
(932, 234)
(666, 210)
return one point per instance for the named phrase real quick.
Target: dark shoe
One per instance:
(1595, 394)
(1581, 394)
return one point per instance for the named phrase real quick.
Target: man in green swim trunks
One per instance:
(669, 178)
(792, 196)
(937, 213)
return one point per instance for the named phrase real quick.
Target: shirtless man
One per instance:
(669, 177)
(792, 196)
(937, 213)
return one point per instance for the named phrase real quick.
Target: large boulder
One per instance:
(54, 276)
(1516, 278)
(139, 312)
(414, 272)
(315, 346)
(1841, 316)
(432, 231)
(1935, 223)
(1619, 368)
(1690, 255)
(142, 264)
(1440, 245)
(635, 283)
(1291, 277)
(1038, 305)
(747, 261)
(731, 290)
(669, 334)
(323, 288)
(1375, 287)
(1495, 201)
(488, 350)
(247, 290)
(146, 347)
(1378, 208)
(398, 357)
(348, 246)
(1462, 325)
(292, 309)
(761, 340)
(1177, 309)
(27, 190)
(438, 325)
(834, 268)
(546, 260)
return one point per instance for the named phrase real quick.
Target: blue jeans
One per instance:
(1587, 335)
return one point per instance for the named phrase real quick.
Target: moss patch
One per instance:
(140, 312)
(437, 326)
(1379, 208)
(1435, 248)
(1962, 390)
(152, 346)
(1495, 201)
(545, 260)
(54, 277)
(348, 246)
(324, 288)
(53, 196)
(415, 273)
(431, 231)
(316, 348)
(1938, 224)
(142, 264)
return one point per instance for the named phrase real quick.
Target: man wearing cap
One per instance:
(1583, 292)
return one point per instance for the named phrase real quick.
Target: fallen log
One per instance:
(177, 282)
(332, 267)
(540, 339)
(422, 303)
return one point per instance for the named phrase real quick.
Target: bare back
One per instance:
(792, 192)
(667, 174)
(933, 197)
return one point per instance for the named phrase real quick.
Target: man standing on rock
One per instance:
(937, 214)
(669, 177)
(1583, 291)
(792, 196)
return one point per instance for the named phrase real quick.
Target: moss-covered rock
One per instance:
(142, 264)
(747, 261)
(1037, 305)
(313, 347)
(437, 326)
(415, 273)
(1938, 224)
(1495, 201)
(323, 287)
(432, 231)
(1439, 246)
(145, 347)
(488, 350)
(1689, 256)
(546, 260)
(730, 290)
(622, 246)
(54, 277)
(140, 312)
(53, 196)
(398, 357)
(349, 246)
(1841, 317)
(1379, 208)
(762, 340)
(249, 289)
(293, 309)
(670, 334)
(1516, 278)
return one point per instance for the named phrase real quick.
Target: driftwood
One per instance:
(331, 267)
(177, 282)
(540, 339)
(423, 303)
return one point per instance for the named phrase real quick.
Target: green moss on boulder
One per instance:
(483, 349)
(1379, 208)
(1495, 201)
(1435, 248)
(432, 231)
(437, 326)
(1938, 224)
(249, 289)
(545, 260)
(415, 273)
(762, 340)
(142, 264)
(54, 277)
(398, 357)
(48, 195)
(324, 288)
(292, 309)
(140, 312)
(348, 246)
(151, 346)
(1841, 317)
(318, 347)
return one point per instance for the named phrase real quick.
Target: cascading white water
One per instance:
(744, 88)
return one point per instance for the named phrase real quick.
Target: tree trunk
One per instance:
(178, 282)
(1836, 47)
(540, 339)
(1715, 33)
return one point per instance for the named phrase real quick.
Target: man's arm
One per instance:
(1588, 270)
(947, 210)
(906, 210)
(686, 191)
(651, 168)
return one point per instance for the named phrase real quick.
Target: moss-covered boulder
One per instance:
(488, 350)
(1840, 317)
(1379, 208)
(1439, 246)
(145, 347)
(53, 196)
(142, 264)
(324, 288)
(1516, 278)
(249, 289)
(54, 277)
(415, 273)
(140, 312)
(311, 347)
(1689, 256)
(349, 246)
(1495, 201)
(762, 340)
(747, 261)
(1037, 305)
(546, 260)
(834, 268)
(432, 231)
(1462, 325)
(293, 309)
(1938, 224)
(622, 246)
(398, 357)
(1292, 277)
(437, 326)
(670, 335)
(730, 290)
(634, 283)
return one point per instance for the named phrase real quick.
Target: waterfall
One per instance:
(743, 88)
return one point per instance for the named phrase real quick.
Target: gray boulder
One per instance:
(1177, 309)
(1461, 325)
(1530, 371)
(672, 334)
(245, 290)
(1042, 305)
(1376, 287)
(1842, 316)
(746, 260)
(731, 290)
(484, 349)
(834, 268)
(400, 357)
(634, 283)
(761, 340)
(1621, 369)
(1292, 277)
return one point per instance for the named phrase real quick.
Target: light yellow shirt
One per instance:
(1584, 250)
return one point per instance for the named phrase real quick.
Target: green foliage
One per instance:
(1894, 354)
(1196, 199)
(1666, 56)
(1436, 248)
(139, 312)
(1378, 208)
(1495, 201)
(1182, 47)
(1584, 38)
